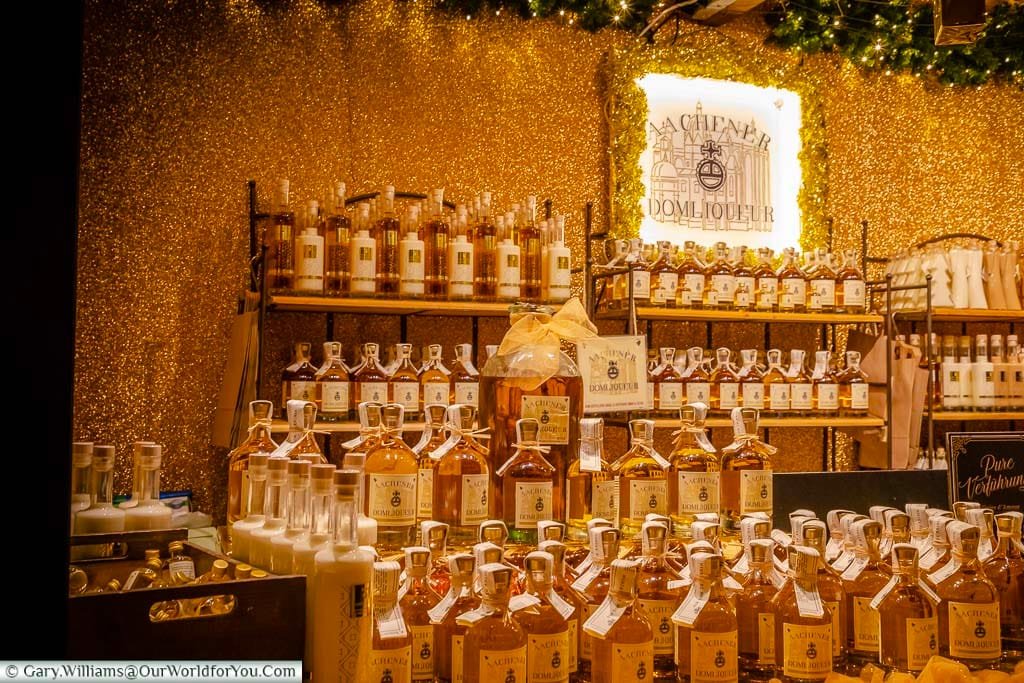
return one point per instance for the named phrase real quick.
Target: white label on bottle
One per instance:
(796, 290)
(945, 571)
(825, 290)
(951, 385)
(522, 601)
(389, 621)
(854, 569)
(474, 498)
(601, 620)
(724, 286)
(865, 625)
(303, 391)
(392, 500)
(728, 395)
(778, 396)
(745, 287)
(390, 666)
(457, 643)
(184, 567)
(802, 396)
(334, 397)
(741, 299)
(698, 392)
(467, 393)
(974, 630)
(364, 266)
(552, 412)
(533, 503)
(808, 602)
(755, 491)
(693, 288)
(698, 492)
(828, 396)
(670, 395)
(666, 289)
(407, 395)
(650, 395)
(853, 293)
(460, 270)
(435, 393)
(647, 496)
(767, 292)
(376, 392)
(660, 614)
(604, 499)
(508, 273)
(422, 652)
(691, 607)
(411, 269)
(641, 284)
(859, 396)
(753, 395)
(425, 493)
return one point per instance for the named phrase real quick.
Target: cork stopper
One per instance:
(487, 553)
(354, 461)
(904, 558)
(417, 560)
(321, 478)
(705, 567)
(752, 528)
(103, 458)
(464, 416)
(592, 428)
(494, 531)
(332, 350)
(803, 562)
(760, 550)
(346, 482)
(527, 430)
(495, 580)
(151, 457)
(386, 580)
(604, 543)
(813, 535)
(243, 571)
(624, 575)
(641, 431)
(220, 567)
(462, 566)
(549, 530)
(175, 547)
(298, 470)
(435, 535)
(277, 469)
(554, 548)
(260, 411)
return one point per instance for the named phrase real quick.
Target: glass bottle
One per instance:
(591, 488)
(696, 377)
(643, 485)
(434, 378)
(719, 281)
(434, 535)
(462, 478)
(969, 630)
(691, 278)
(694, 472)
(508, 257)
(725, 383)
(812, 533)
(546, 623)
(593, 585)
(754, 616)
(793, 285)
(822, 284)
(826, 388)
(664, 278)
(908, 628)
(938, 553)
(751, 381)
(281, 242)
(801, 389)
(561, 576)
(371, 379)
(803, 624)
(983, 386)
(639, 275)
(862, 580)
(449, 635)
(527, 481)
(321, 496)
(333, 385)
(766, 282)
(853, 387)
(150, 513)
(530, 246)
(411, 262)
(415, 599)
(298, 380)
(432, 437)
(306, 443)
(275, 512)
(495, 644)
(435, 233)
(465, 380)
(656, 598)
(338, 244)
(777, 385)
(297, 505)
(669, 392)
(623, 648)
(746, 471)
(102, 516)
(1005, 569)
(485, 246)
(391, 474)
(707, 648)
(252, 507)
(386, 231)
(81, 464)
(851, 292)
(391, 651)
(404, 382)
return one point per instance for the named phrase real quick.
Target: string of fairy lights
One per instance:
(884, 36)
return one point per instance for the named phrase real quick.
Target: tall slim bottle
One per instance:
(725, 383)
(338, 245)
(754, 616)
(766, 282)
(812, 533)
(509, 269)
(386, 232)
(752, 389)
(591, 488)
(252, 507)
(691, 278)
(529, 243)
(485, 246)
(694, 472)
(462, 478)
(81, 464)
(776, 385)
(281, 242)
(853, 387)
(746, 471)
(404, 382)
(801, 389)
(102, 516)
(593, 585)
(282, 547)
(436, 233)
(861, 581)
(416, 598)
(495, 644)
(792, 285)
(391, 477)
(464, 377)
(298, 380)
(259, 441)
(275, 512)
(908, 629)
(826, 388)
(432, 437)
(434, 378)
(803, 624)
(333, 385)
(623, 637)
(697, 378)
(411, 265)
(305, 550)
(371, 380)
(363, 257)
(719, 281)
(664, 277)
(851, 292)
(983, 385)
(341, 617)
(391, 651)
(1005, 569)
(707, 637)
(822, 285)
(150, 513)
(667, 382)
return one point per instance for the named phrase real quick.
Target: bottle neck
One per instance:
(320, 516)
(150, 485)
(345, 523)
(80, 480)
(298, 508)
(257, 492)
(103, 488)
(967, 560)
(497, 603)
(274, 503)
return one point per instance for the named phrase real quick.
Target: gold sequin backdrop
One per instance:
(184, 101)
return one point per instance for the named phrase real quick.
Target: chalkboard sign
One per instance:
(987, 468)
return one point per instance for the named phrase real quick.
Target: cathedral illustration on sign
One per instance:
(711, 180)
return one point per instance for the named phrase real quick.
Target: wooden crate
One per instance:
(267, 622)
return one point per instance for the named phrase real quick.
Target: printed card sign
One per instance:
(721, 162)
(987, 468)
(614, 371)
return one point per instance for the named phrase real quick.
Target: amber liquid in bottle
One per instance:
(745, 295)
(390, 484)
(371, 380)
(462, 481)
(298, 380)
(449, 635)
(669, 390)
(706, 644)
(561, 576)
(657, 600)
(696, 377)
(755, 619)
(643, 483)
(861, 581)
(694, 472)
(435, 235)
(719, 281)
(725, 383)
(464, 378)
(830, 588)
(281, 242)
(435, 385)
(746, 471)
(529, 243)
(593, 587)
(908, 628)
(793, 286)
(691, 278)
(822, 284)
(495, 646)
(801, 389)
(826, 387)
(485, 254)
(333, 386)
(387, 231)
(404, 383)
(592, 489)
(766, 282)
(416, 604)
(338, 240)
(664, 278)
(752, 389)
(527, 481)
(433, 436)
(626, 652)
(258, 441)
(776, 386)
(853, 387)
(803, 641)
(390, 655)
(549, 653)
(1005, 569)
(851, 293)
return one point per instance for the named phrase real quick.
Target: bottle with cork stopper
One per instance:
(495, 644)
(275, 512)
(81, 464)
(416, 598)
(150, 512)
(803, 624)
(623, 640)
(102, 516)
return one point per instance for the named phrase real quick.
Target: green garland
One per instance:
(886, 36)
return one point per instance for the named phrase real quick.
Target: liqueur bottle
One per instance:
(792, 284)
(391, 650)
(259, 441)
(460, 265)
(755, 619)
(812, 533)
(509, 267)
(639, 275)
(81, 463)
(309, 253)
(766, 282)
(861, 581)
(495, 646)
(435, 537)
(275, 512)
(908, 628)
(559, 269)
(546, 623)
(591, 488)
(404, 383)
(150, 513)
(485, 245)
(561, 576)
(725, 383)
(853, 387)
(643, 484)
(301, 439)
(390, 486)
(465, 380)
(449, 635)
(527, 481)
(593, 585)
(253, 518)
(691, 278)
(707, 648)
(102, 516)
(322, 493)
(281, 242)
(415, 599)
(434, 378)
(386, 232)
(664, 277)
(530, 244)
(826, 389)
(462, 478)
(719, 280)
(776, 385)
(297, 521)
(851, 292)
(656, 598)
(623, 648)
(432, 437)
(338, 245)
(333, 386)
(803, 624)
(697, 378)
(1005, 569)
(746, 471)
(822, 285)
(298, 380)
(938, 553)
(746, 282)
(411, 266)
(669, 391)
(801, 389)
(363, 257)
(371, 380)
(435, 233)
(752, 389)
(694, 472)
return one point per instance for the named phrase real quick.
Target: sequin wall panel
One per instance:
(184, 101)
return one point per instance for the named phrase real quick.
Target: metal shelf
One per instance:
(974, 416)
(710, 315)
(964, 315)
(326, 304)
(346, 427)
(769, 422)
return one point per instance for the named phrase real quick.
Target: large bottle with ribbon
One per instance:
(531, 376)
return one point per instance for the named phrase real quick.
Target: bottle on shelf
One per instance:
(853, 387)
(530, 244)
(906, 606)
(449, 635)
(337, 245)
(744, 298)
(792, 285)
(101, 517)
(746, 471)
(707, 647)
(1000, 373)
(333, 385)
(642, 475)
(766, 282)
(309, 253)
(592, 490)
(81, 466)
(983, 386)
(546, 622)
(416, 599)
(275, 512)
(297, 504)
(371, 380)
(411, 262)
(404, 382)
(435, 536)
(527, 481)
(1005, 569)
(826, 387)
(851, 292)
(485, 247)
(434, 426)
(801, 388)
(754, 616)
(298, 380)
(862, 580)
(752, 390)
(691, 278)
(668, 383)
(150, 513)
(434, 378)
(363, 257)
(462, 477)
(694, 472)
(812, 533)
(639, 276)
(509, 268)
(803, 625)
(696, 377)
(386, 233)
(495, 645)
(1015, 372)
(251, 513)
(390, 488)
(281, 242)
(725, 383)
(719, 281)
(656, 598)
(623, 640)
(305, 549)
(592, 584)
(664, 277)
(967, 370)
(950, 377)
(391, 649)
(464, 377)
(822, 284)
(776, 385)
(561, 583)
(436, 234)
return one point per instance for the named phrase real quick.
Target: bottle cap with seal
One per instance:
(963, 538)
(641, 431)
(345, 483)
(539, 566)
(527, 431)
(803, 562)
(488, 553)
(495, 580)
(904, 558)
(1009, 524)
(557, 551)
(623, 579)
(321, 477)
(592, 428)
(461, 566)
(834, 520)
(494, 531)
(417, 561)
(761, 550)
(812, 535)
(961, 507)
(435, 535)
(81, 453)
(550, 530)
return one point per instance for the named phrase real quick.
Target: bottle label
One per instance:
(650, 395)
(837, 643)
(467, 392)
(693, 288)
(309, 264)
(425, 493)
(755, 491)
(922, 642)
(796, 290)
(745, 290)
(604, 499)
(641, 284)
(508, 274)
(974, 630)
(767, 292)
(802, 396)
(753, 395)
(647, 496)
(853, 293)
(552, 412)
(660, 614)
(474, 499)
(728, 395)
(461, 270)
(778, 396)
(407, 395)
(184, 567)
(390, 666)
(412, 272)
(698, 492)
(723, 286)
(806, 651)
(334, 397)
(670, 395)
(377, 392)
(392, 500)
(698, 392)
(742, 298)
(547, 658)
(574, 643)
(586, 640)
(302, 391)
(533, 503)
(503, 666)
(435, 393)
(422, 652)
(859, 396)
(828, 396)
(457, 646)
(666, 289)
(786, 302)
(714, 657)
(766, 638)
(825, 293)
(865, 625)
(632, 662)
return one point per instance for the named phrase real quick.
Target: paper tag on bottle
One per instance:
(334, 398)
(552, 412)
(183, 567)
(375, 392)
(425, 493)
(467, 393)
(423, 649)
(855, 568)
(438, 612)
(604, 617)
(390, 623)
(522, 601)
(781, 537)
(474, 615)
(435, 393)
(659, 458)
(590, 458)
(801, 396)
(922, 642)
(647, 496)
(475, 490)
(865, 625)
(945, 571)
(778, 579)
(928, 559)
(584, 580)
(808, 602)
(130, 581)
(742, 565)
(563, 607)
(886, 589)
(698, 492)
(766, 638)
(828, 396)
(659, 612)
(843, 561)
(676, 584)
(833, 549)
(806, 651)
(932, 595)
(584, 565)
(391, 665)
(691, 607)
